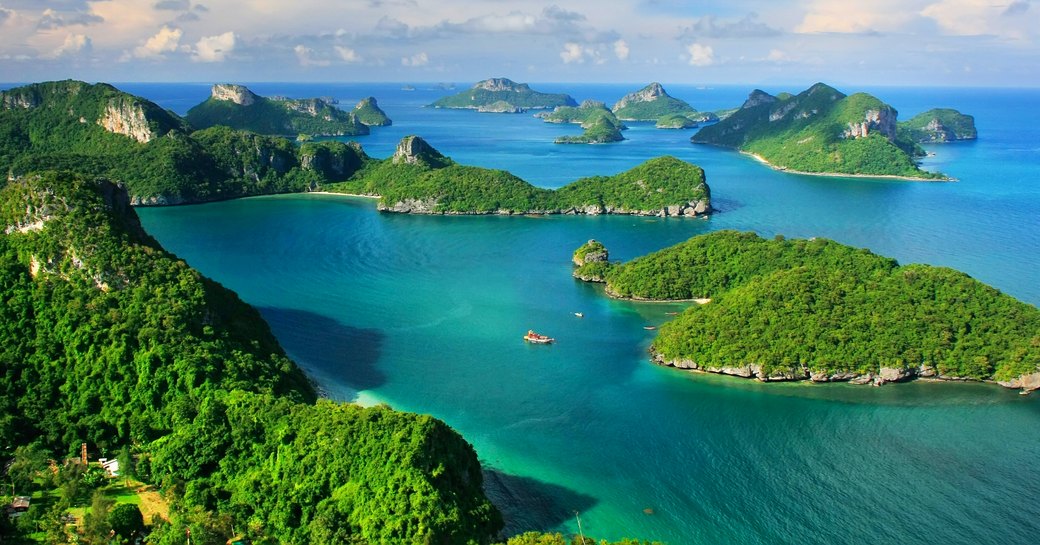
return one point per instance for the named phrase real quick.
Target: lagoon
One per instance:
(427, 314)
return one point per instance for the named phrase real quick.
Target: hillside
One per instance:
(419, 179)
(939, 125)
(598, 122)
(98, 130)
(502, 95)
(819, 130)
(108, 339)
(819, 310)
(653, 103)
(368, 112)
(237, 107)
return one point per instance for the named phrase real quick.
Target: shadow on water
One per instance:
(531, 505)
(349, 354)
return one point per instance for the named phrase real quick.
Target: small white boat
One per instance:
(535, 338)
(579, 314)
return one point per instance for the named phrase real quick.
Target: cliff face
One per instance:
(238, 94)
(501, 84)
(940, 125)
(413, 150)
(126, 116)
(646, 94)
(881, 120)
(757, 98)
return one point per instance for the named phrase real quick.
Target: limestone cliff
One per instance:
(239, 94)
(126, 116)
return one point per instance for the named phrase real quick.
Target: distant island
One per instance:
(822, 311)
(939, 125)
(653, 103)
(600, 125)
(820, 131)
(100, 131)
(237, 107)
(418, 179)
(501, 95)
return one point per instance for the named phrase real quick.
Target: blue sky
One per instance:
(879, 42)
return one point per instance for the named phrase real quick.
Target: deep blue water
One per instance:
(426, 313)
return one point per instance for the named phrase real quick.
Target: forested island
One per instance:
(109, 340)
(599, 124)
(939, 125)
(820, 131)
(419, 179)
(237, 107)
(502, 95)
(653, 103)
(97, 130)
(822, 311)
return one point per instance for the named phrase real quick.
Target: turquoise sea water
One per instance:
(427, 314)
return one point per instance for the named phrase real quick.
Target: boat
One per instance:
(672, 313)
(579, 314)
(649, 327)
(535, 338)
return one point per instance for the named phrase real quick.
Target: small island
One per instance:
(820, 131)
(653, 103)
(599, 123)
(237, 107)
(818, 310)
(418, 179)
(939, 125)
(368, 113)
(502, 95)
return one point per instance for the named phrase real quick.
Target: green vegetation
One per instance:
(539, 538)
(515, 95)
(239, 108)
(97, 130)
(820, 131)
(939, 125)
(107, 339)
(419, 179)
(369, 113)
(599, 123)
(653, 103)
(801, 308)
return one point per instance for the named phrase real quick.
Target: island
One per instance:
(600, 125)
(820, 131)
(97, 130)
(653, 103)
(939, 125)
(418, 179)
(502, 95)
(778, 310)
(114, 348)
(237, 107)
(368, 113)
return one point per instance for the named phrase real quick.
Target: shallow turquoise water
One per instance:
(426, 314)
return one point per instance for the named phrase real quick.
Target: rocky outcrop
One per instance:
(238, 94)
(758, 97)
(881, 120)
(126, 116)
(646, 94)
(333, 164)
(501, 84)
(940, 125)
(369, 113)
(1027, 383)
(411, 206)
(414, 150)
(590, 252)
(499, 107)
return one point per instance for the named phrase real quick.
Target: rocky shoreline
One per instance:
(885, 375)
(429, 207)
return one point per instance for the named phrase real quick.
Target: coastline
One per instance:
(763, 160)
(377, 197)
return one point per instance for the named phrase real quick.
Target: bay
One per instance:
(427, 314)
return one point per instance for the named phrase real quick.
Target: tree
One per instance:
(96, 527)
(126, 520)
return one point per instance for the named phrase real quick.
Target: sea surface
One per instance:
(427, 314)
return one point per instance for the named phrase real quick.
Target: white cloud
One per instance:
(700, 55)
(51, 19)
(572, 52)
(164, 41)
(214, 48)
(347, 54)
(979, 17)
(5, 14)
(305, 56)
(419, 59)
(845, 17)
(776, 55)
(621, 50)
(74, 44)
